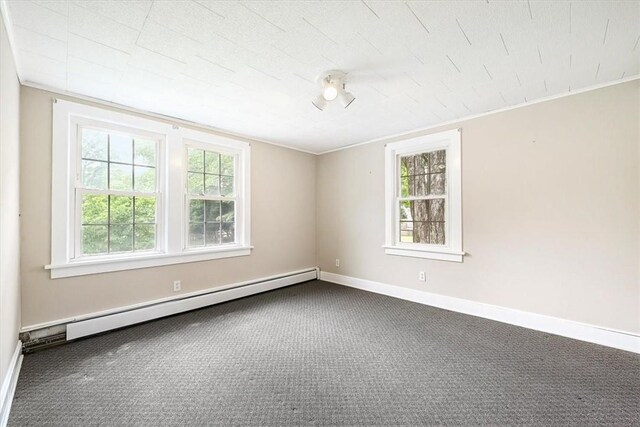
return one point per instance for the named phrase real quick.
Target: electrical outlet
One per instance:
(337, 262)
(176, 285)
(422, 276)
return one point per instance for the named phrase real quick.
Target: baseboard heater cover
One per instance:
(118, 320)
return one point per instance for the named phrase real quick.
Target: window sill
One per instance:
(89, 266)
(441, 255)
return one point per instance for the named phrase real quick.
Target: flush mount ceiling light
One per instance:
(332, 87)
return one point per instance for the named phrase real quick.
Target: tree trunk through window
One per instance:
(424, 174)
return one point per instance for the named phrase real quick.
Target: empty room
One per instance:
(330, 213)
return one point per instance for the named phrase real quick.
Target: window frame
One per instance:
(452, 249)
(170, 212)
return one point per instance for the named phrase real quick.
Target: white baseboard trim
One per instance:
(9, 384)
(552, 325)
(145, 313)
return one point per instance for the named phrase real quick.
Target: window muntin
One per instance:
(117, 192)
(422, 200)
(211, 197)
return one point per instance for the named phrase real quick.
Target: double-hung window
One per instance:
(211, 197)
(130, 192)
(423, 197)
(116, 194)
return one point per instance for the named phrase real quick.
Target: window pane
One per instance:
(438, 183)
(121, 210)
(423, 221)
(94, 175)
(212, 185)
(212, 233)
(94, 239)
(120, 177)
(212, 210)
(438, 161)
(145, 211)
(196, 234)
(228, 232)
(196, 211)
(94, 144)
(144, 152)
(421, 163)
(226, 185)
(95, 209)
(405, 186)
(195, 183)
(226, 165)
(423, 174)
(144, 179)
(436, 233)
(419, 185)
(120, 238)
(120, 148)
(212, 162)
(145, 237)
(404, 171)
(196, 160)
(405, 210)
(420, 210)
(414, 165)
(406, 231)
(420, 232)
(228, 214)
(436, 210)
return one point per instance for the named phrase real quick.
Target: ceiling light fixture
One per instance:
(332, 84)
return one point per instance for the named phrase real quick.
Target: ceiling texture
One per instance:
(250, 67)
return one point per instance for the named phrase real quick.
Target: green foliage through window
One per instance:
(117, 224)
(112, 161)
(113, 223)
(210, 173)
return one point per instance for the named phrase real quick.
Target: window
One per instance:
(117, 192)
(423, 197)
(211, 199)
(131, 193)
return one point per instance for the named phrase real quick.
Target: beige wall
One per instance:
(9, 204)
(283, 230)
(551, 220)
(551, 215)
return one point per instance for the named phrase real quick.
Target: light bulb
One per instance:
(330, 93)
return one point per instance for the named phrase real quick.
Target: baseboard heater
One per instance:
(121, 319)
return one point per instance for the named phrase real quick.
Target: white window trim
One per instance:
(171, 214)
(452, 250)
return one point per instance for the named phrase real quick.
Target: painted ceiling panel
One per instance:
(251, 67)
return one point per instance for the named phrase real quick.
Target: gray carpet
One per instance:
(323, 354)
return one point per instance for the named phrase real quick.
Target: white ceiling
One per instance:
(250, 67)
